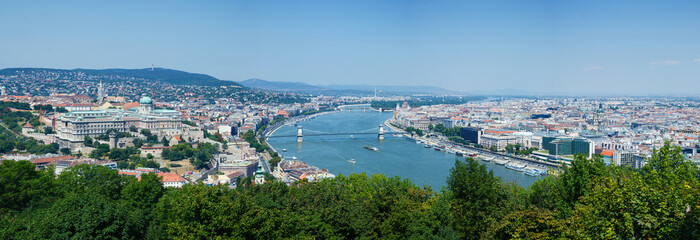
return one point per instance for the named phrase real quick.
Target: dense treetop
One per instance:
(587, 201)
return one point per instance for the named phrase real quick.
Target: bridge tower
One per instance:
(300, 136)
(381, 132)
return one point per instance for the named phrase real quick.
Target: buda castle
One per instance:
(72, 127)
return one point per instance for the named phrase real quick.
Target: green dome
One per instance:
(146, 100)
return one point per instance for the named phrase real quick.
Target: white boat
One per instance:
(501, 161)
(517, 166)
(451, 151)
(294, 158)
(352, 161)
(533, 172)
(427, 146)
(485, 159)
(284, 149)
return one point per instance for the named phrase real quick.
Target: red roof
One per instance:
(283, 113)
(170, 177)
(499, 132)
(608, 153)
(163, 147)
(51, 159)
(28, 126)
(130, 105)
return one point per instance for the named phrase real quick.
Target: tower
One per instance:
(598, 115)
(100, 92)
(259, 174)
(112, 140)
(3, 90)
(381, 132)
(396, 112)
(145, 105)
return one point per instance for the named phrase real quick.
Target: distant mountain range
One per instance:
(155, 74)
(364, 90)
(278, 86)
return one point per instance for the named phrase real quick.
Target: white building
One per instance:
(72, 127)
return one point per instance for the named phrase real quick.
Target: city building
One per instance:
(171, 179)
(471, 134)
(73, 127)
(621, 158)
(568, 146)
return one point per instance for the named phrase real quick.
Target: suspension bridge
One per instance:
(301, 133)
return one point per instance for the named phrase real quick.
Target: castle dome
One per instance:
(146, 100)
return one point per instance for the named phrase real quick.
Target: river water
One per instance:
(396, 156)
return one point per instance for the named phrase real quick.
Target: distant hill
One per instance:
(278, 86)
(358, 90)
(156, 74)
(396, 89)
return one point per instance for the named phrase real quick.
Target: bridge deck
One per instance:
(326, 134)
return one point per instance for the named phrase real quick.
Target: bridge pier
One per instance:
(300, 136)
(381, 133)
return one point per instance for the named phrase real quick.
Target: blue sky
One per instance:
(550, 47)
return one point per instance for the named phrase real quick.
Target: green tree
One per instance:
(101, 151)
(145, 193)
(146, 132)
(89, 216)
(138, 143)
(21, 185)
(477, 197)
(87, 141)
(575, 180)
(165, 141)
(65, 151)
(533, 223)
(92, 178)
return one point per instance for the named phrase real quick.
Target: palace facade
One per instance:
(72, 127)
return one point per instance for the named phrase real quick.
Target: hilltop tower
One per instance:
(100, 92)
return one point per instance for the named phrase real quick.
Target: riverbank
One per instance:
(480, 150)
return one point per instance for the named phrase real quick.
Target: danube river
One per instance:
(396, 156)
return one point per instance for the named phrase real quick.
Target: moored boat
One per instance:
(517, 166)
(533, 172)
(501, 161)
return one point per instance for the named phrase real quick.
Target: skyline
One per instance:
(596, 48)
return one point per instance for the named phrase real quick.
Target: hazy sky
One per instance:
(566, 47)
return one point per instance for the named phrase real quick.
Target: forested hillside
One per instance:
(588, 201)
